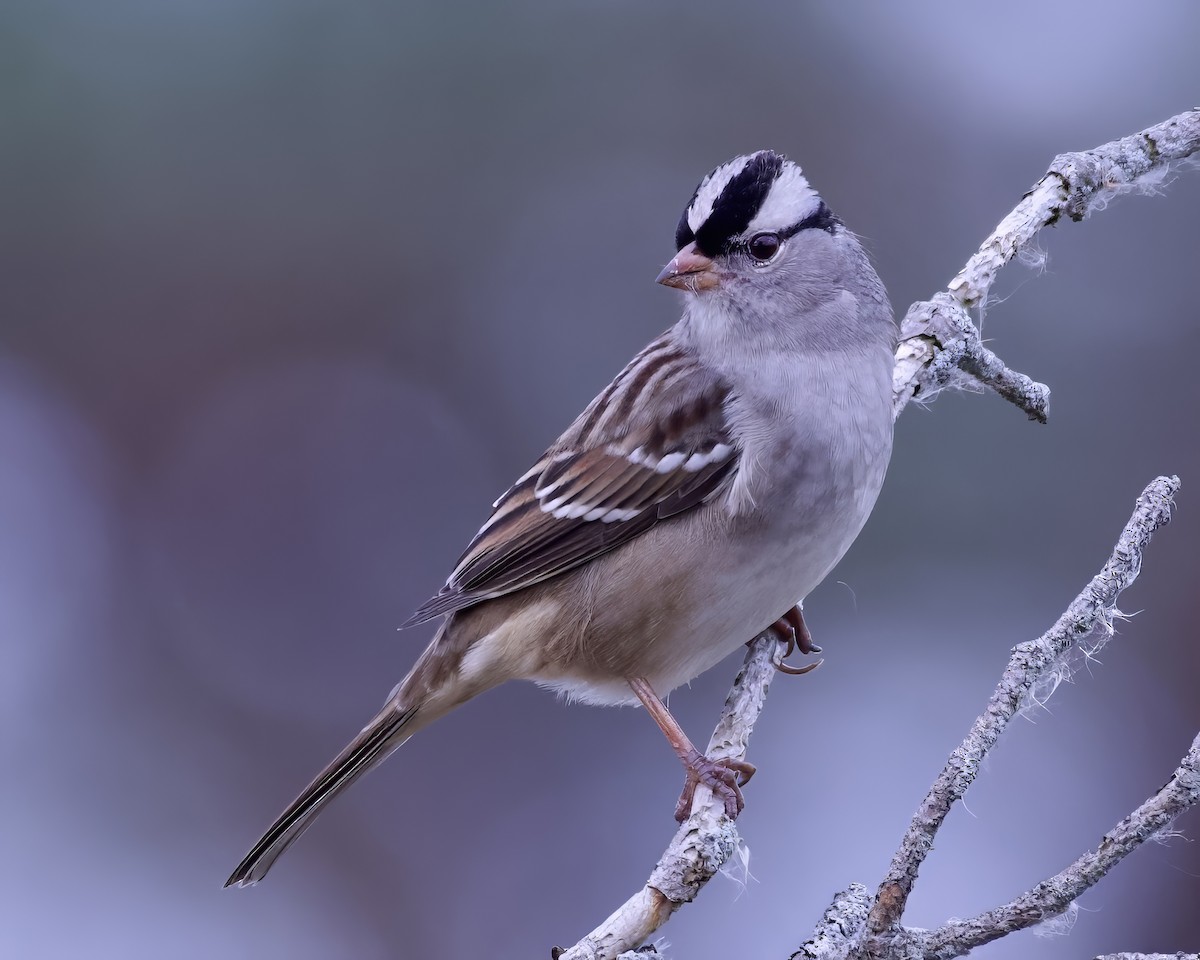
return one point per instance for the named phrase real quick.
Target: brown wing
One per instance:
(653, 445)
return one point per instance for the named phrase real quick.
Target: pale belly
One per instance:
(691, 590)
(670, 613)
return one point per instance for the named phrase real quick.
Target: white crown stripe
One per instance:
(710, 189)
(789, 201)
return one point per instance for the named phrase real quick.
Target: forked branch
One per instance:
(1088, 618)
(938, 338)
(1053, 897)
(876, 932)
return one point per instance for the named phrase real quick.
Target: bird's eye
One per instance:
(763, 246)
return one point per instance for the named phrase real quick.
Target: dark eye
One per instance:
(763, 246)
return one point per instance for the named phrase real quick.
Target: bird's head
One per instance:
(750, 222)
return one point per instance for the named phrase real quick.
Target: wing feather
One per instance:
(653, 445)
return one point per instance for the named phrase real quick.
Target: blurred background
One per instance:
(293, 289)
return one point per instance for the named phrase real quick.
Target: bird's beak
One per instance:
(690, 270)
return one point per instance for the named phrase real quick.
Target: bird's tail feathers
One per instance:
(390, 728)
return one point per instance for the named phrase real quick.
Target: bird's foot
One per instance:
(792, 630)
(724, 778)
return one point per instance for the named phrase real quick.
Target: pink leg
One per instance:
(723, 777)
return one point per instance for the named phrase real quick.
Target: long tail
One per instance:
(379, 738)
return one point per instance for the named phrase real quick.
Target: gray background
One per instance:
(293, 289)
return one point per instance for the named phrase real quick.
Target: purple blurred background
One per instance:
(293, 289)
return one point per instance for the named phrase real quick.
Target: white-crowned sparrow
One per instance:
(708, 488)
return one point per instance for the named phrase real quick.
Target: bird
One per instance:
(693, 504)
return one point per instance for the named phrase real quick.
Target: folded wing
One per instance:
(655, 444)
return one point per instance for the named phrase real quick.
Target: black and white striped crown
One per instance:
(758, 192)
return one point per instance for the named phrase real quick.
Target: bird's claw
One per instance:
(724, 777)
(792, 630)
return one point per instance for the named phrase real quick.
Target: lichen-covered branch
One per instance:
(841, 927)
(937, 337)
(1052, 897)
(705, 841)
(850, 930)
(1074, 186)
(940, 343)
(1090, 612)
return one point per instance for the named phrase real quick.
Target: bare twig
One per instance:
(706, 840)
(1090, 612)
(1075, 185)
(939, 343)
(1052, 897)
(937, 336)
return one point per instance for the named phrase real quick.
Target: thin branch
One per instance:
(1054, 896)
(705, 841)
(1076, 185)
(939, 343)
(1091, 612)
(937, 336)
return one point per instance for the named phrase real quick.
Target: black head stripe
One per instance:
(820, 219)
(739, 202)
(683, 232)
